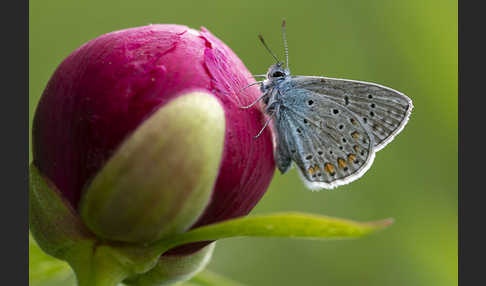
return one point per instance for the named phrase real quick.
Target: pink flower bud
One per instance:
(104, 90)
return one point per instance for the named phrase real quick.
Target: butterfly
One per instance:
(330, 128)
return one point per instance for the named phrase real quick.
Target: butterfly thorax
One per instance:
(277, 75)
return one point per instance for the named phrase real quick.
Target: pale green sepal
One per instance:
(107, 264)
(161, 178)
(174, 269)
(96, 265)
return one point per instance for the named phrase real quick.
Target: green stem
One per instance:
(96, 265)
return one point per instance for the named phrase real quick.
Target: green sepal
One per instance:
(54, 224)
(161, 178)
(174, 269)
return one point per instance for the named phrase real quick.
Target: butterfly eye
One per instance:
(278, 74)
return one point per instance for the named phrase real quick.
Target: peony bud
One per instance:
(141, 133)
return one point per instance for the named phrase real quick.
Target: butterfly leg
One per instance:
(254, 102)
(264, 126)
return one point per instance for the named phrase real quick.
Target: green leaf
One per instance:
(290, 225)
(208, 278)
(47, 270)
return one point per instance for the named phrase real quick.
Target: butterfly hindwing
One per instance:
(385, 111)
(330, 144)
(282, 156)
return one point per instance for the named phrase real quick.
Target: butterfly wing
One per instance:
(282, 155)
(385, 111)
(330, 144)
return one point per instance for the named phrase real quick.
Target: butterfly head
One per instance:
(277, 72)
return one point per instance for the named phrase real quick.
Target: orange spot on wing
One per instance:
(311, 170)
(329, 168)
(341, 163)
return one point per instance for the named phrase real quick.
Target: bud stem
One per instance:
(96, 266)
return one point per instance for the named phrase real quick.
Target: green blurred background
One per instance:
(409, 45)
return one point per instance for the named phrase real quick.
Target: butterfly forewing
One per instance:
(384, 111)
(330, 144)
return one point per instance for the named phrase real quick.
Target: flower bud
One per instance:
(141, 132)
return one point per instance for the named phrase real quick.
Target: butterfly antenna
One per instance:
(284, 36)
(268, 49)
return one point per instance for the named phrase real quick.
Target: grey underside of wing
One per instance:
(385, 111)
(330, 149)
(282, 152)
